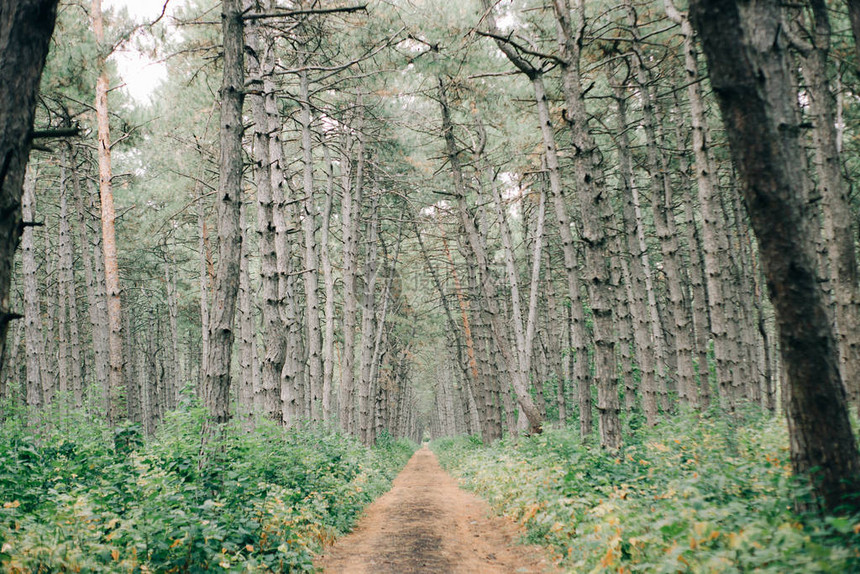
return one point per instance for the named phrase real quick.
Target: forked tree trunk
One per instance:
(751, 75)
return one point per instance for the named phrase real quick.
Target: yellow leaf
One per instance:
(13, 504)
(249, 548)
(114, 554)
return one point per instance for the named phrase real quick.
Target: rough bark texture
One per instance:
(637, 287)
(596, 215)
(350, 211)
(34, 342)
(310, 272)
(116, 410)
(513, 357)
(274, 329)
(838, 224)
(226, 287)
(368, 323)
(68, 291)
(25, 33)
(751, 76)
(328, 282)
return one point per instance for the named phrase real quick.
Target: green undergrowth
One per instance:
(82, 498)
(694, 495)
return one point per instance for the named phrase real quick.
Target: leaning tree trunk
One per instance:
(750, 72)
(596, 213)
(638, 286)
(226, 287)
(713, 237)
(838, 218)
(513, 357)
(25, 34)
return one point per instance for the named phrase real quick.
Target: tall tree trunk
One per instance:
(94, 276)
(751, 76)
(310, 273)
(698, 300)
(513, 360)
(68, 291)
(713, 237)
(217, 378)
(839, 232)
(246, 394)
(274, 328)
(596, 215)
(328, 282)
(350, 212)
(116, 411)
(368, 322)
(25, 34)
(639, 286)
(175, 378)
(35, 345)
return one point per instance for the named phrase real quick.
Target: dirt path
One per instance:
(426, 523)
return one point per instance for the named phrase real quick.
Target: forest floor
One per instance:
(427, 523)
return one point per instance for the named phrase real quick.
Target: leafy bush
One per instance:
(694, 495)
(86, 499)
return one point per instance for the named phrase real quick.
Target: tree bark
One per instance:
(35, 344)
(25, 34)
(310, 273)
(596, 215)
(350, 211)
(116, 409)
(274, 328)
(226, 287)
(68, 290)
(751, 75)
(328, 281)
(713, 237)
(839, 232)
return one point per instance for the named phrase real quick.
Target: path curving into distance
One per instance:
(428, 524)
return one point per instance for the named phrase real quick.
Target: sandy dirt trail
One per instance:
(427, 524)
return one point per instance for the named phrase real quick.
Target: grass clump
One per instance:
(696, 494)
(84, 498)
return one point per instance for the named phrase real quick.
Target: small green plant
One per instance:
(697, 494)
(89, 499)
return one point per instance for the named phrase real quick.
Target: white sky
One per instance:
(140, 74)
